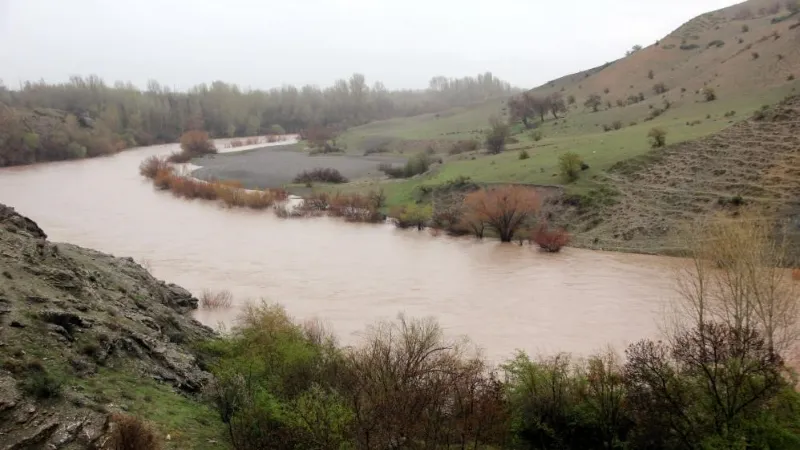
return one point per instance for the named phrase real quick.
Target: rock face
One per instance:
(71, 311)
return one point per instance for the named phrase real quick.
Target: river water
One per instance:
(504, 297)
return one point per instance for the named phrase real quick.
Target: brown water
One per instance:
(504, 297)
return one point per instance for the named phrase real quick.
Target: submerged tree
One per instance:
(503, 209)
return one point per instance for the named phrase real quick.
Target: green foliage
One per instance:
(416, 165)
(536, 135)
(497, 135)
(41, 384)
(276, 129)
(569, 165)
(31, 140)
(523, 154)
(412, 216)
(657, 137)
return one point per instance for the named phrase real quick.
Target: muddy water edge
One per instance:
(503, 297)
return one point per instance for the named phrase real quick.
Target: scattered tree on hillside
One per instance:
(503, 209)
(594, 101)
(569, 165)
(660, 88)
(556, 104)
(570, 99)
(650, 74)
(710, 94)
(633, 50)
(658, 137)
(521, 108)
(497, 135)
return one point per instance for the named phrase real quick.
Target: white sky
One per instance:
(267, 43)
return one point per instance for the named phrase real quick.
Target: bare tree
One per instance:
(504, 209)
(594, 101)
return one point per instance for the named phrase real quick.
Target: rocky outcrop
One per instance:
(69, 314)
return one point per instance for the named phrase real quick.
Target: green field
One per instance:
(580, 131)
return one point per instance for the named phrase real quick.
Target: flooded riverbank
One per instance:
(503, 297)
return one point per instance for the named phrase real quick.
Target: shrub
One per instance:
(716, 43)
(730, 113)
(755, 55)
(745, 28)
(593, 101)
(650, 74)
(503, 209)
(236, 143)
(617, 124)
(497, 135)
(411, 216)
(536, 135)
(41, 384)
(523, 154)
(689, 46)
(215, 300)
(790, 77)
(151, 166)
(569, 165)
(325, 148)
(606, 127)
(276, 129)
(320, 176)
(468, 145)
(418, 164)
(657, 137)
(197, 143)
(132, 433)
(660, 88)
(550, 240)
(570, 99)
(709, 94)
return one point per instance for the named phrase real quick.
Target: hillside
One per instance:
(754, 162)
(84, 335)
(749, 54)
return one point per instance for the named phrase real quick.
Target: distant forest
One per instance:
(86, 117)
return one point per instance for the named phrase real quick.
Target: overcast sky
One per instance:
(267, 43)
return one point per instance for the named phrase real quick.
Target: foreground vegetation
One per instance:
(718, 380)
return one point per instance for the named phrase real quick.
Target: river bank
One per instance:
(276, 165)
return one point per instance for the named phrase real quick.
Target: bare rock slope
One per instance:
(66, 315)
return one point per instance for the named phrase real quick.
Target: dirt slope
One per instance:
(711, 50)
(755, 162)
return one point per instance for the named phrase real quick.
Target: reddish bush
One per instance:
(503, 209)
(132, 433)
(236, 143)
(151, 166)
(550, 240)
(796, 274)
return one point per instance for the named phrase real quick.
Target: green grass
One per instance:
(581, 132)
(189, 423)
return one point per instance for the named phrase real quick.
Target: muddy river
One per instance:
(504, 297)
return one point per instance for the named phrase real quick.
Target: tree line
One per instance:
(99, 118)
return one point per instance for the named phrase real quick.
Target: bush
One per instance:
(151, 166)
(650, 74)
(745, 28)
(276, 129)
(551, 241)
(197, 143)
(523, 154)
(755, 55)
(325, 148)
(790, 77)
(215, 300)
(411, 216)
(689, 46)
(497, 135)
(660, 88)
(716, 43)
(320, 176)
(569, 165)
(418, 164)
(617, 124)
(41, 384)
(536, 135)
(709, 94)
(657, 137)
(132, 433)
(469, 145)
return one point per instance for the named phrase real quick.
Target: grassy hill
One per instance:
(749, 54)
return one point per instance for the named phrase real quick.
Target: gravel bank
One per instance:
(275, 166)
